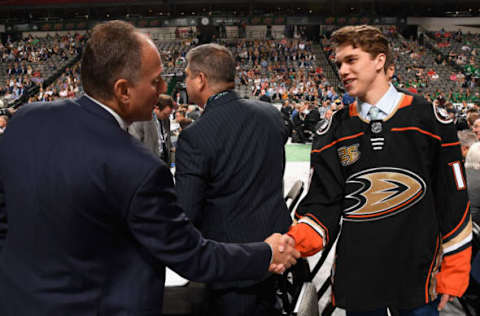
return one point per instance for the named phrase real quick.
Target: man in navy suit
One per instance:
(229, 173)
(88, 215)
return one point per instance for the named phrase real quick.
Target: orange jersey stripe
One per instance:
(451, 144)
(412, 128)
(406, 101)
(319, 223)
(337, 141)
(353, 109)
(459, 224)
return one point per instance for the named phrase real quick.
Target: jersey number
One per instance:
(458, 175)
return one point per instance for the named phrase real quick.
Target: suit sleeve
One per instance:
(162, 229)
(3, 217)
(318, 215)
(453, 211)
(191, 176)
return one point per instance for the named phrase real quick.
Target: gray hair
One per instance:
(466, 137)
(215, 61)
(473, 157)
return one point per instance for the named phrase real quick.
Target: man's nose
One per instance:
(342, 70)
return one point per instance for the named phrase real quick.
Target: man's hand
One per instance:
(11, 110)
(443, 301)
(284, 254)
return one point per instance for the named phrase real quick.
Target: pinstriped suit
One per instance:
(229, 173)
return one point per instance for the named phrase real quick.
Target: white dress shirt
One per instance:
(386, 104)
(121, 122)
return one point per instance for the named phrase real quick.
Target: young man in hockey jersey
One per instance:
(387, 175)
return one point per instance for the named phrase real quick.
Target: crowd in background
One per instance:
(287, 72)
(29, 62)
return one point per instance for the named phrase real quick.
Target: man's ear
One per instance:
(122, 94)
(381, 60)
(121, 91)
(202, 81)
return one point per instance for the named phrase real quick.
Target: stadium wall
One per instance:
(465, 24)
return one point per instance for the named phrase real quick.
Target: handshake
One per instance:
(284, 254)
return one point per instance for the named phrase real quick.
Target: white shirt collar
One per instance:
(386, 104)
(118, 118)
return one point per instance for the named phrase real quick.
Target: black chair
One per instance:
(185, 300)
(329, 307)
(294, 195)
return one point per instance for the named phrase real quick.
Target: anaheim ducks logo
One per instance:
(384, 192)
(442, 115)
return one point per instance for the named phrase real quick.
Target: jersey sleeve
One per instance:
(318, 214)
(453, 210)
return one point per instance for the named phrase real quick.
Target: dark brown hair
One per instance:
(366, 37)
(112, 52)
(184, 122)
(165, 100)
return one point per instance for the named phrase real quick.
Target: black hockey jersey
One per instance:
(395, 190)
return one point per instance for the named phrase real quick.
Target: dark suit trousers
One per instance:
(256, 300)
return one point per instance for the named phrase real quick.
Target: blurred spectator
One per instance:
(193, 112)
(311, 119)
(184, 122)
(476, 128)
(179, 114)
(467, 138)
(298, 118)
(7, 111)
(472, 167)
(155, 133)
(471, 118)
(3, 123)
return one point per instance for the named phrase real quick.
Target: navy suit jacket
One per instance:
(229, 171)
(93, 219)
